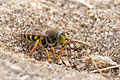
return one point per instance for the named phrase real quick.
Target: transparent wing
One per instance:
(35, 31)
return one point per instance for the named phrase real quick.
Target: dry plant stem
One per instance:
(76, 67)
(111, 67)
(77, 41)
(113, 52)
(85, 3)
(49, 2)
(96, 67)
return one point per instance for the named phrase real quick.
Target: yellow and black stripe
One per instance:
(27, 34)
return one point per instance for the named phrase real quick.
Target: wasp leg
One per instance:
(61, 52)
(36, 44)
(54, 53)
(48, 55)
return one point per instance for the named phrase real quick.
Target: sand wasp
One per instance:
(47, 38)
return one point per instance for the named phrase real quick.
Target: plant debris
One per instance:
(92, 26)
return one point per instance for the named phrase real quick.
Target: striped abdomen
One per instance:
(30, 34)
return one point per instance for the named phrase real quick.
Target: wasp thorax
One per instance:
(51, 38)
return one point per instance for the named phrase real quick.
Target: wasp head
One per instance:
(62, 38)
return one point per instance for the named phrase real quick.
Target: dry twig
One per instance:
(96, 66)
(103, 69)
(113, 52)
(85, 3)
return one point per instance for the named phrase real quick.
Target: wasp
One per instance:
(49, 38)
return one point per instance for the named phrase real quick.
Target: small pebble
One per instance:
(15, 68)
(59, 62)
(77, 45)
(25, 77)
(88, 51)
(71, 45)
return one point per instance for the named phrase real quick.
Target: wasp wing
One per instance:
(34, 31)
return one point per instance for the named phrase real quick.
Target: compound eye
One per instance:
(51, 40)
(62, 38)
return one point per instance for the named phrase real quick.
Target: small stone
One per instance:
(91, 15)
(77, 45)
(25, 77)
(33, 4)
(71, 45)
(15, 68)
(88, 51)
(59, 62)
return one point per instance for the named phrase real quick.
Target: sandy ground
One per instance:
(95, 26)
